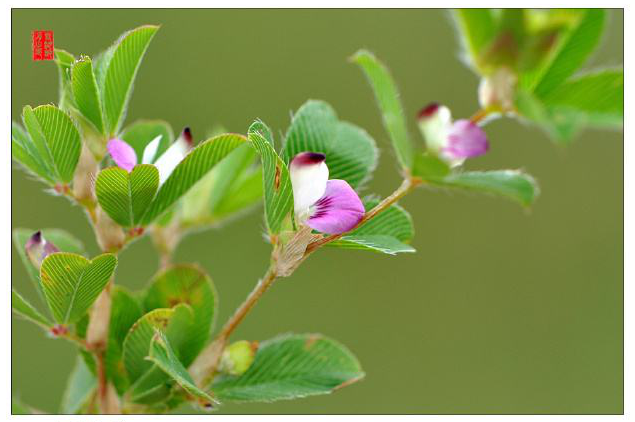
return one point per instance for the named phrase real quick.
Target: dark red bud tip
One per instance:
(34, 239)
(428, 110)
(306, 158)
(59, 330)
(187, 135)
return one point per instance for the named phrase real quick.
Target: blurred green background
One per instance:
(499, 311)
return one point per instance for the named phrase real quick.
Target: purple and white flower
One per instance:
(329, 206)
(37, 248)
(125, 157)
(452, 141)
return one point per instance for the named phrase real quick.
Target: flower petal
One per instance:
(465, 140)
(309, 174)
(338, 211)
(435, 121)
(37, 248)
(122, 154)
(174, 155)
(150, 151)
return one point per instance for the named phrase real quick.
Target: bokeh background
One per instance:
(499, 311)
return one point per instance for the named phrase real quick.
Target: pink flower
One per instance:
(329, 206)
(452, 141)
(125, 157)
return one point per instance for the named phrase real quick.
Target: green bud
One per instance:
(238, 357)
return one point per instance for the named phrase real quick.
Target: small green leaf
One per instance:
(189, 171)
(428, 166)
(188, 284)
(572, 49)
(163, 356)
(64, 61)
(126, 196)
(85, 92)
(24, 309)
(388, 100)
(63, 240)
(350, 152)
(389, 232)
(513, 184)
(599, 96)
(56, 140)
(24, 152)
(200, 204)
(139, 134)
(72, 283)
(244, 193)
(275, 178)
(79, 389)
(292, 366)
(477, 27)
(125, 311)
(373, 242)
(122, 69)
(174, 322)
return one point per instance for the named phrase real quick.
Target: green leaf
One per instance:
(571, 51)
(512, 184)
(56, 140)
(24, 309)
(388, 100)
(275, 178)
(373, 242)
(63, 240)
(478, 28)
(429, 166)
(126, 196)
(85, 92)
(188, 284)
(200, 203)
(163, 356)
(122, 69)
(72, 283)
(244, 193)
(64, 61)
(389, 232)
(79, 389)
(125, 311)
(599, 96)
(24, 152)
(292, 366)
(189, 171)
(19, 408)
(173, 322)
(139, 134)
(350, 152)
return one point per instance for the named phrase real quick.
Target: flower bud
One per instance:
(37, 248)
(434, 123)
(465, 140)
(309, 174)
(496, 91)
(238, 357)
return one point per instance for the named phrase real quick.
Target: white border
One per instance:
(629, 182)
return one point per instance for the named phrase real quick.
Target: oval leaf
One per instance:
(387, 98)
(126, 196)
(190, 285)
(72, 283)
(292, 366)
(350, 151)
(85, 92)
(122, 69)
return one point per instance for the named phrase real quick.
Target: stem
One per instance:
(479, 115)
(240, 313)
